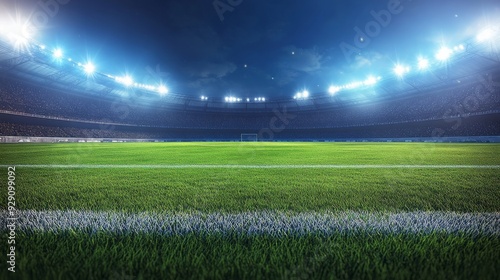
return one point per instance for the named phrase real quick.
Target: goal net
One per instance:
(249, 137)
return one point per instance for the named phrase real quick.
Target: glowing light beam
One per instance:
(89, 68)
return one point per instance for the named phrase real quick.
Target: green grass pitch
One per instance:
(183, 179)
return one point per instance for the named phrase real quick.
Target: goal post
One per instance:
(249, 137)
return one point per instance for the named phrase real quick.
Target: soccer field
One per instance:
(255, 210)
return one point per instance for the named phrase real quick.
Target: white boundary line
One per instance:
(274, 223)
(226, 166)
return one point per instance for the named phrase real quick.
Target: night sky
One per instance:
(259, 48)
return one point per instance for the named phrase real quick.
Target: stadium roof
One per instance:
(240, 55)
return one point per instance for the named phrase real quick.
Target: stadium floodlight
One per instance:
(352, 85)
(301, 95)
(459, 48)
(370, 81)
(232, 99)
(263, 99)
(444, 54)
(89, 68)
(162, 90)
(126, 80)
(15, 27)
(484, 35)
(423, 63)
(18, 33)
(57, 53)
(401, 70)
(334, 89)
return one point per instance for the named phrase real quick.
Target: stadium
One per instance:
(386, 167)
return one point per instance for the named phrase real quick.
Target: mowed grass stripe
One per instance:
(271, 223)
(251, 154)
(241, 190)
(231, 166)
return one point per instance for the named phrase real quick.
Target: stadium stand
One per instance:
(32, 110)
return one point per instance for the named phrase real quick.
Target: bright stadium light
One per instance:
(126, 80)
(162, 90)
(484, 35)
(423, 63)
(57, 53)
(334, 89)
(263, 99)
(401, 70)
(444, 54)
(232, 99)
(459, 48)
(17, 31)
(370, 81)
(353, 85)
(89, 68)
(301, 95)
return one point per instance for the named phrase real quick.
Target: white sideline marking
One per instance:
(226, 166)
(273, 223)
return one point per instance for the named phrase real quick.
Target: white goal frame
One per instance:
(249, 137)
